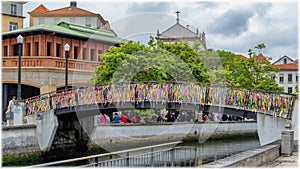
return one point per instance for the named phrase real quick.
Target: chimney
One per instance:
(73, 3)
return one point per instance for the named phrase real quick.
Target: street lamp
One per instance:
(67, 49)
(20, 41)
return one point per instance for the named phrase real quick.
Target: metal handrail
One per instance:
(103, 155)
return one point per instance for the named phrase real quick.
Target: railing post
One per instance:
(152, 157)
(172, 157)
(127, 159)
(96, 161)
(195, 149)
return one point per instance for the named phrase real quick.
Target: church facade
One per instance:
(178, 32)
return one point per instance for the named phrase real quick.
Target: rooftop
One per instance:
(69, 30)
(69, 11)
(289, 66)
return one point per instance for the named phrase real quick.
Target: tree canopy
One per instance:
(158, 61)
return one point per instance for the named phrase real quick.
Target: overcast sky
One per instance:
(229, 25)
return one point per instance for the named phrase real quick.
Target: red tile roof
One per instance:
(260, 58)
(39, 9)
(289, 66)
(67, 11)
(70, 11)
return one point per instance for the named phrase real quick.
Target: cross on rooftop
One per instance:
(177, 12)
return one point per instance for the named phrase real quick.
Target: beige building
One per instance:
(12, 15)
(70, 14)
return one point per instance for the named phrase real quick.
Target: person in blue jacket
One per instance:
(116, 118)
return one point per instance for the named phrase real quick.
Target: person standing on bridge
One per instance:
(9, 113)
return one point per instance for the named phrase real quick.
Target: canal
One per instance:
(195, 153)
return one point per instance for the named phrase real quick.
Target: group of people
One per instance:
(105, 119)
(220, 117)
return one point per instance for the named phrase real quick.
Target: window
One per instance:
(98, 24)
(49, 48)
(36, 44)
(41, 20)
(92, 54)
(290, 89)
(273, 76)
(281, 79)
(13, 9)
(72, 20)
(284, 61)
(56, 21)
(296, 78)
(99, 58)
(75, 52)
(28, 49)
(5, 51)
(16, 49)
(58, 50)
(13, 26)
(88, 22)
(83, 53)
(290, 78)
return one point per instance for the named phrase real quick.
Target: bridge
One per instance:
(173, 96)
(69, 116)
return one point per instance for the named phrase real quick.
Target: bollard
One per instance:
(287, 139)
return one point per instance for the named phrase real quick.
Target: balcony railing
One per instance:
(49, 62)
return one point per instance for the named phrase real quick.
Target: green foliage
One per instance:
(148, 113)
(260, 46)
(158, 61)
(23, 160)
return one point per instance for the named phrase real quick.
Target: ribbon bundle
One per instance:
(276, 104)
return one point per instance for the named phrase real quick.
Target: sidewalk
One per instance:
(284, 162)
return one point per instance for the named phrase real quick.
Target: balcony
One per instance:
(49, 62)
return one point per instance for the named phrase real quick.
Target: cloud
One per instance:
(205, 4)
(232, 23)
(136, 7)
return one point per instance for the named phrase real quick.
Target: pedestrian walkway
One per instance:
(284, 162)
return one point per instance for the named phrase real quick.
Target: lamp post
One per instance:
(20, 41)
(67, 49)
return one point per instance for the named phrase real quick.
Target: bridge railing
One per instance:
(142, 156)
(276, 104)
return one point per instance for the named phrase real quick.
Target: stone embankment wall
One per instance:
(19, 140)
(111, 137)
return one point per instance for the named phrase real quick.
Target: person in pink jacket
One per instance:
(102, 118)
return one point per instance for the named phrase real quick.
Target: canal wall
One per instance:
(46, 126)
(19, 140)
(113, 137)
(270, 127)
(251, 158)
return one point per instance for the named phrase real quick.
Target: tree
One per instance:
(252, 74)
(260, 46)
(133, 62)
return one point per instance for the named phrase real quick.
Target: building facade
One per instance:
(287, 77)
(43, 64)
(12, 15)
(178, 32)
(71, 14)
